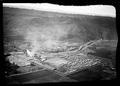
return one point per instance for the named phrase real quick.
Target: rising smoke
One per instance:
(47, 36)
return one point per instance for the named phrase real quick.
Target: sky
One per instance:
(98, 10)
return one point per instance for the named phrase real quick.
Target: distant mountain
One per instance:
(77, 28)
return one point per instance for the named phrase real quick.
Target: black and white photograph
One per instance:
(52, 43)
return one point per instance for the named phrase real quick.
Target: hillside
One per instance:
(61, 42)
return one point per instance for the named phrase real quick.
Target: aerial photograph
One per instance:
(50, 43)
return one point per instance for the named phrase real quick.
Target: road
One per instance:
(39, 77)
